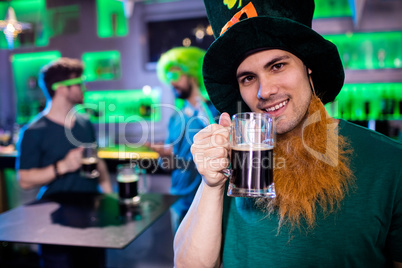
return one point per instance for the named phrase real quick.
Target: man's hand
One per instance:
(34, 177)
(211, 150)
(71, 162)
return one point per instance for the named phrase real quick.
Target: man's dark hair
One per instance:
(57, 71)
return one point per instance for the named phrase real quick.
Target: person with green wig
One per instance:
(181, 68)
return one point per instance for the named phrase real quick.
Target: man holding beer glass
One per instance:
(336, 197)
(47, 156)
(51, 151)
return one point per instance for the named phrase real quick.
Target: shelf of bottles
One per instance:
(369, 50)
(364, 102)
(121, 106)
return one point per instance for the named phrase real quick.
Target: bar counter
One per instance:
(127, 153)
(119, 153)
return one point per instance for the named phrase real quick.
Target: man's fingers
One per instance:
(210, 131)
(207, 165)
(213, 153)
(224, 120)
(212, 142)
(78, 149)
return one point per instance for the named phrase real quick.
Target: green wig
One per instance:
(188, 59)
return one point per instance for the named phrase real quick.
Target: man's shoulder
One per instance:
(35, 130)
(38, 123)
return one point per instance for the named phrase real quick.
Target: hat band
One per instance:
(248, 9)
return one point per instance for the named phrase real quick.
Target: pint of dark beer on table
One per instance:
(252, 144)
(131, 181)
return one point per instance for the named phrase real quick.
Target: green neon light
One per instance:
(70, 82)
(25, 68)
(331, 9)
(121, 106)
(111, 19)
(104, 65)
(374, 50)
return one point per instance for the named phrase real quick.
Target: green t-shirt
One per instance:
(365, 232)
(43, 142)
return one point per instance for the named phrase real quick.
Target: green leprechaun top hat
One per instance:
(241, 26)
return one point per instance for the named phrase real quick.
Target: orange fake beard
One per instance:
(311, 172)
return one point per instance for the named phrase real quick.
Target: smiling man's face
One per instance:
(276, 82)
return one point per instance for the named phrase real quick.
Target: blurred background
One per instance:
(120, 41)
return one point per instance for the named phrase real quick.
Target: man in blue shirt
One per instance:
(181, 68)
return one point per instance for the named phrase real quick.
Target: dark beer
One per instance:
(128, 186)
(252, 168)
(89, 167)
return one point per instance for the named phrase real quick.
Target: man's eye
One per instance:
(277, 66)
(247, 79)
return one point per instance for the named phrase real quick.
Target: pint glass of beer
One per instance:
(132, 181)
(89, 166)
(252, 143)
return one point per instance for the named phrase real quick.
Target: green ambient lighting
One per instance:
(111, 19)
(374, 101)
(121, 106)
(374, 50)
(26, 67)
(31, 11)
(331, 8)
(104, 65)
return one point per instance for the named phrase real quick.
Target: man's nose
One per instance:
(267, 89)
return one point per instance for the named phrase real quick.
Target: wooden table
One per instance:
(85, 220)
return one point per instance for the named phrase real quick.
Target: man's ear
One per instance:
(309, 70)
(61, 90)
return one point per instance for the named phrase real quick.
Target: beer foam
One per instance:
(88, 161)
(127, 178)
(252, 147)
